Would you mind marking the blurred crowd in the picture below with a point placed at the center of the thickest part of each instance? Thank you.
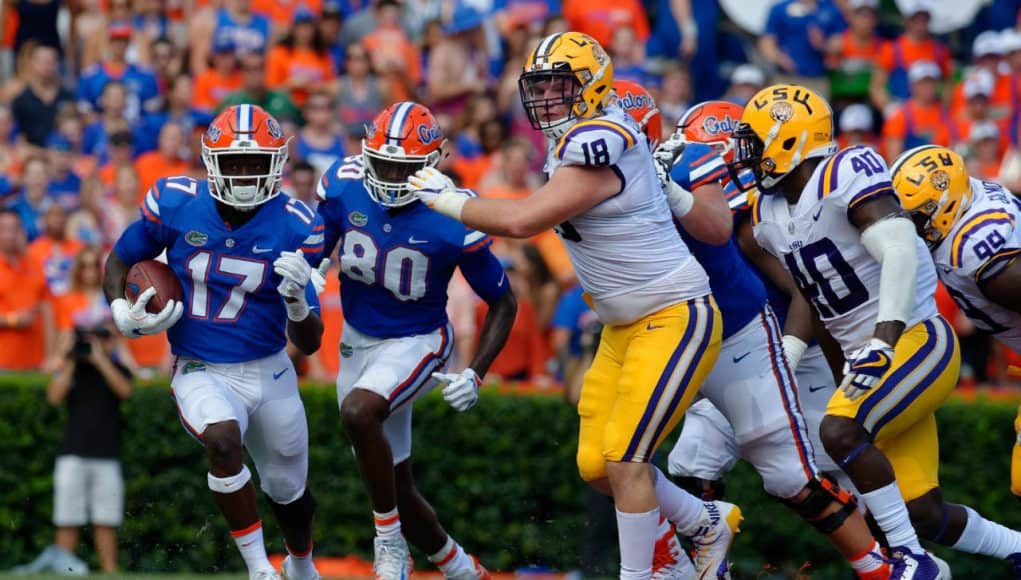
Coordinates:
(100, 98)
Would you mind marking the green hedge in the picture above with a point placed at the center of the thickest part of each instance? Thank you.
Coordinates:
(502, 477)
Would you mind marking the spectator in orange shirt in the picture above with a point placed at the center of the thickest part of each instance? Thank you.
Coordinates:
(857, 126)
(165, 161)
(53, 252)
(599, 18)
(526, 351)
(395, 58)
(121, 154)
(890, 81)
(987, 52)
(300, 63)
(216, 82)
(83, 306)
(511, 176)
(853, 53)
(23, 306)
(282, 14)
(977, 92)
(922, 119)
(984, 155)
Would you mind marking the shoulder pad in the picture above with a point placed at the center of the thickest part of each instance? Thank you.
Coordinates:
(595, 142)
(980, 242)
(852, 176)
(350, 168)
(167, 195)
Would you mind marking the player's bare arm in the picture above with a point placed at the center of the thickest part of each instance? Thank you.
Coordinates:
(495, 330)
(888, 232)
(115, 273)
(710, 219)
(1003, 288)
(306, 334)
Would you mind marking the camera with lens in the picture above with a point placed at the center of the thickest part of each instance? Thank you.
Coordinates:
(82, 347)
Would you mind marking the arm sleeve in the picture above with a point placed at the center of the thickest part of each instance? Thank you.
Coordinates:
(484, 274)
(894, 244)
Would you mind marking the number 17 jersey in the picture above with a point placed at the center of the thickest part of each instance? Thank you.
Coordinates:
(822, 249)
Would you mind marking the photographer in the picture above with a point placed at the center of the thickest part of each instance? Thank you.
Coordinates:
(92, 382)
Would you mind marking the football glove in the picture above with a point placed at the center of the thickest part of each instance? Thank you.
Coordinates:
(461, 390)
(437, 191)
(295, 272)
(679, 199)
(865, 367)
(319, 276)
(133, 321)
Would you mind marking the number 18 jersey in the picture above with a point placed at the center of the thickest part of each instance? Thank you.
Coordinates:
(822, 249)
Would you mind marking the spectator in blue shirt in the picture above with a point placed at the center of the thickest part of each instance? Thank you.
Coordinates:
(572, 321)
(143, 93)
(795, 40)
(65, 186)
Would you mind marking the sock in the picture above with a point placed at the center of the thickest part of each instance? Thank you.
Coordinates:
(677, 505)
(302, 562)
(637, 536)
(452, 558)
(887, 506)
(253, 550)
(868, 561)
(388, 524)
(982, 536)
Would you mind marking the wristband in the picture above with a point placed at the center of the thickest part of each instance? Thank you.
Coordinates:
(794, 348)
(450, 204)
(297, 310)
(681, 200)
(688, 28)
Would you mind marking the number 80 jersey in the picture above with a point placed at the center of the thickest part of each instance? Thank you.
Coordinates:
(822, 249)
(396, 264)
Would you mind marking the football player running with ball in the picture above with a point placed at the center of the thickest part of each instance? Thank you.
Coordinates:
(396, 261)
(239, 249)
(662, 328)
(972, 229)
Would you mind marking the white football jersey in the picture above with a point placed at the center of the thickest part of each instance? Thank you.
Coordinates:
(626, 251)
(822, 249)
(985, 240)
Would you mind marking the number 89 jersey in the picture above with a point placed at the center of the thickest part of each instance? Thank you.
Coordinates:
(822, 249)
(232, 310)
(983, 242)
(396, 264)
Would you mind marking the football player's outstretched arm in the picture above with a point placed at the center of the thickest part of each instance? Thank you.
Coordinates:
(1005, 287)
(495, 330)
(571, 190)
(710, 219)
(889, 236)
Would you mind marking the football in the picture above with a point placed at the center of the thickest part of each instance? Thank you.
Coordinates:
(152, 274)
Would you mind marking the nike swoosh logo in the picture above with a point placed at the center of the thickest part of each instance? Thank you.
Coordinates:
(817, 214)
(258, 250)
(738, 359)
(279, 374)
(653, 327)
(412, 240)
(814, 389)
(503, 276)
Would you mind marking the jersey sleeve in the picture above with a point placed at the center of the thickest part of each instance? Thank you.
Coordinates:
(698, 165)
(149, 236)
(852, 177)
(484, 273)
(594, 143)
(331, 203)
(985, 245)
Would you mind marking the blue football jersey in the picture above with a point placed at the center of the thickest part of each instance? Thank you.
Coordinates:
(232, 310)
(396, 263)
(739, 292)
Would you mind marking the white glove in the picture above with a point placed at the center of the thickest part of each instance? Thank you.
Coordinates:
(679, 199)
(865, 367)
(437, 191)
(133, 321)
(319, 276)
(296, 273)
(462, 390)
(794, 348)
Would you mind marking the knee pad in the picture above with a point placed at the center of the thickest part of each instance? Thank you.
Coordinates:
(591, 464)
(822, 491)
(282, 487)
(704, 489)
(231, 483)
(296, 514)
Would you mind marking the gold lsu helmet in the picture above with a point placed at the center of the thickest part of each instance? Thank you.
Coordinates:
(782, 126)
(568, 68)
(933, 186)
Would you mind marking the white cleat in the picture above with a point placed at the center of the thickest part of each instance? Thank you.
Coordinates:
(669, 562)
(267, 574)
(392, 560)
(289, 573)
(713, 540)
